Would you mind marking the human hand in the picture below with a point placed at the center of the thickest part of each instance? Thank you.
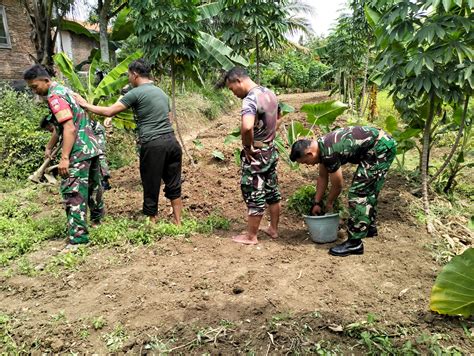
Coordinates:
(80, 100)
(249, 152)
(316, 210)
(108, 122)
(63, 167)
(329, 208)
(48, 153)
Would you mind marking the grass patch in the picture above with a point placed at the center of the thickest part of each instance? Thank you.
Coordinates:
(116, 231)
(115, 339)
(8, 346)
(20, 231)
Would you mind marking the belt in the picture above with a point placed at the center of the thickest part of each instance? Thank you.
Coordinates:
(261, 144)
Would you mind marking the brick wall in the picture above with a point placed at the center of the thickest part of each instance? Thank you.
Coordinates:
(81, 48)
(14, 60)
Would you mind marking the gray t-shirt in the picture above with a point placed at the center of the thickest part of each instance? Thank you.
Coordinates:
(151, 107)
(263, 104)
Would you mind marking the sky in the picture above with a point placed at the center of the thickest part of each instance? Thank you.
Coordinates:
(326, 13)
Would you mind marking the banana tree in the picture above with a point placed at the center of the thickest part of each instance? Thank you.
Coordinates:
(107, 91)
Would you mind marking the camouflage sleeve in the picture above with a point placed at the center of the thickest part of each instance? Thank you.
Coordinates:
(249, 105)
(332, 163)
(60, 108)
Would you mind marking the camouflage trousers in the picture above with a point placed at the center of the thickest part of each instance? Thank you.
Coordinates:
(366, 186)
(99, 132)
(259, 181)
(82, 189)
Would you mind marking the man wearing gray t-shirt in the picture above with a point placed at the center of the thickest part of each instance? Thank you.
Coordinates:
(160, 152)
(260, 117)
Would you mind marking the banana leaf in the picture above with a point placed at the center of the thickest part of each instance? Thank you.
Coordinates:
(207, 11)
(453, 291)
(66, 67)
(78, 29)
(220, 51)
(324, 113)
(92, 68)
(110, 80)
(123, 27)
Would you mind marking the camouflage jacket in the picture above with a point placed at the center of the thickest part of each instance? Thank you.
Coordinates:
(64, 107)
(346, 145)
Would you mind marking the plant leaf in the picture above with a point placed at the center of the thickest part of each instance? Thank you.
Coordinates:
(67, 69)
(324, 113)
(453, 291)
(218, 155)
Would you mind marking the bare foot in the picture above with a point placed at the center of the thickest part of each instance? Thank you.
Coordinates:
(270, 232)
(245, 239)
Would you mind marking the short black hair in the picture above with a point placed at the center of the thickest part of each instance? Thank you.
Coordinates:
(141, 67)
(47, 120)
(35, 72)
(231, 76)
(235, 73)
(298, 149)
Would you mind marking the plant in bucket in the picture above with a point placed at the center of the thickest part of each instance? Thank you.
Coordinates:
(322, 228)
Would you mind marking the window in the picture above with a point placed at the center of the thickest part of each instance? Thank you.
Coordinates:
(4, 37)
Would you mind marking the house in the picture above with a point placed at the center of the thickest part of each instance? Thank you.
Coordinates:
(16, 47)
(17, 50)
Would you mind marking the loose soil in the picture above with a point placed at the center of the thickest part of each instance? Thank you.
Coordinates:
(265, 295)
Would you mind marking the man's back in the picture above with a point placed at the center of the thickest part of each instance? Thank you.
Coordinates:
(262, 103)
(151, 107)
(346, 145)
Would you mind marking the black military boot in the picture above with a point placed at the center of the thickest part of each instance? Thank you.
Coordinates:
(349, 247)
(372, 231)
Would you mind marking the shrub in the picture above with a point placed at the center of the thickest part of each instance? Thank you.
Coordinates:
(301, 201)
(21, 141)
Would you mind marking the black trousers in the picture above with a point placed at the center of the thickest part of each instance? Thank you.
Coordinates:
(160, 159)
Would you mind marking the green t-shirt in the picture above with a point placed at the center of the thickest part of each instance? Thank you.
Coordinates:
(151, 107)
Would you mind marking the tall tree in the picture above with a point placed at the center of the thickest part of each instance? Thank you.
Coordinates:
(44, 15)
(426, 55)
(260, 24)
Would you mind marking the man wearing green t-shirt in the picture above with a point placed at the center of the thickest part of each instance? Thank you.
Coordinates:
(160, 152)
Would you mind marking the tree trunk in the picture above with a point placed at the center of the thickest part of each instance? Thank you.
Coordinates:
(364, 85)
(104, 8)
(257, 54)
(373, 103)
(425, 162)
(456, 142)
(173, 109)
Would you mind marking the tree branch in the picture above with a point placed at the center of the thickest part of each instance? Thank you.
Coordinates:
(456, 142)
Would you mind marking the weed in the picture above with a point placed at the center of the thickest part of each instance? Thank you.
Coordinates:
(7, 343)
(60, 317)
(119, 231)
(99, 322)
(115, 340)
(25, 267)
(66, 261)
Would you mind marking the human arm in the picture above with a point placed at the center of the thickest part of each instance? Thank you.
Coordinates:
(337, 182)
(246, 131)
(321, 186)
(279, 119)
(69, 137)
(51, 143)
(107, 111)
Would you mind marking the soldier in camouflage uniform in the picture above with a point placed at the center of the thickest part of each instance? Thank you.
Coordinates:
(374, 151)
(99, 132)
(79, 163)
(259, 157)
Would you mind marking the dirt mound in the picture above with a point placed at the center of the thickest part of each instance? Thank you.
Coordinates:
(208, 294)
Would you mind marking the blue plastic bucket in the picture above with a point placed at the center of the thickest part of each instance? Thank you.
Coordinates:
(322, 229)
